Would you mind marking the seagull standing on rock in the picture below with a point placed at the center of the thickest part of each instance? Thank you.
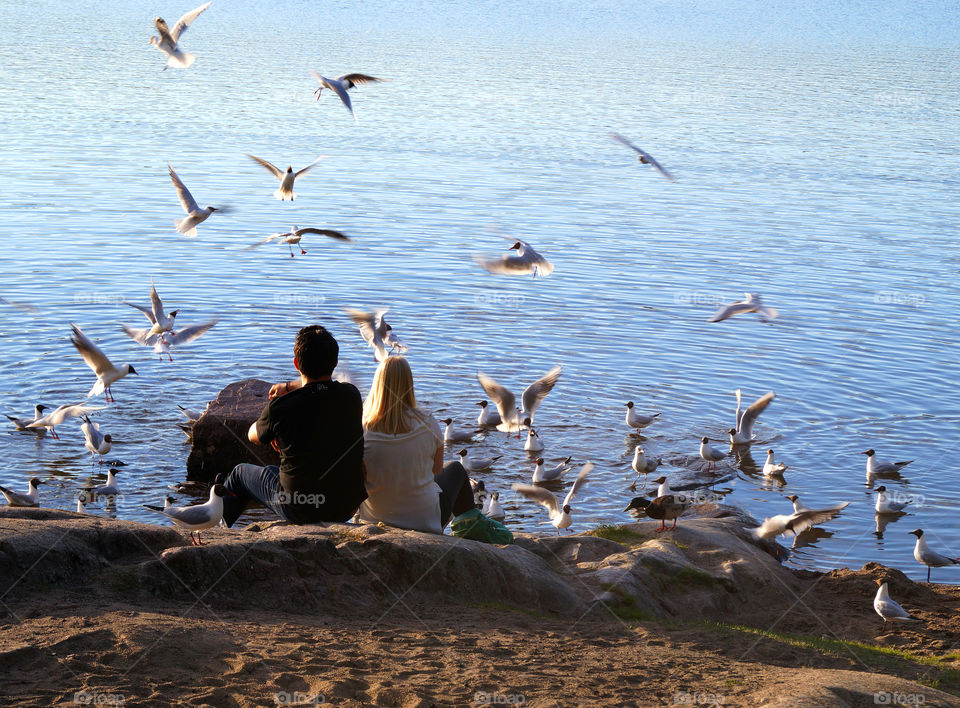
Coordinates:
(711, 454)
(642, 464)
(197, 517)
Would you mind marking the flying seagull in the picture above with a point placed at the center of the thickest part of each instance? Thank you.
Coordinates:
(195, 215)
(341, 85)
(526, 260)
(107, 373)
(294, 235)
(167, 41)
(750, 303)
(285, 190)
(513, 418)
(376, 332)
(643, 156)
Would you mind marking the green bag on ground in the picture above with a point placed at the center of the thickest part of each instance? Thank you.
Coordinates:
(474, 525)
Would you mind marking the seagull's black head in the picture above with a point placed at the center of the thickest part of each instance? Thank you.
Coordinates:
(917, 532)
(210, 208)
(527, 422)
(881, 488)
(174, 313)
(170, 499)
(35, 481)
(660, 480)
(107, 438)
(638, 503)
(769, 452)
(629, 404)
(793, 497)
(482, 404)
(539, 460)
(732, 431)
(132, 370)
(114, 471)
(447, 421)
(222, 491)
(514, 247)
(289, 169)
(868, 453)
(462, 453)
(566, 508)
(41, 407)
(706, 440)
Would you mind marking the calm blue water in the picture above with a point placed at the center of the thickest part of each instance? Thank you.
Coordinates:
(816, 165)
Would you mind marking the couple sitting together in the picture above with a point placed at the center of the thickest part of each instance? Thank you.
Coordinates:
(339, 455)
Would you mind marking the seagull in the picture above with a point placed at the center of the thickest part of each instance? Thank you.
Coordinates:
(163, 343)
(638, 420)
(167, 41)
(474, 465)
(488, 417)
(294, 235)
(885, 506)
(643, 156)
(195, 215)
(60, 414)
(526, 260)
(285, 191)
(493, 509)
(643, 465)
(795, 523)
(110, 489)
(107, 373)
(95, 441)
(341, 85)
(663, 508)
(875, 467)
(533, 442)
(197, 517)
(479, 491)
(193, 415)
(24, 423)
(81, 504)
(743, 433)
(664, 487)
(31, 498)
(770, 467)
(559, 515)
(929, 558)
(750, 303)
(160, 321)
(376, 332)
(506, 402)
(711, 454)
(799, 506)
(451, 436)
(541, 474)
(888, 609)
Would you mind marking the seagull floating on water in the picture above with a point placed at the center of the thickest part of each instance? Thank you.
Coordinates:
(197, 517)
(24, 423)
(750, 303)
(876, 468)
(454, 436)
(195, 215)
(168, 40)
(889, 610)
(533, 443)
(885, 505)
(542, 474)
(110, 489)
(493, 509)
(60, 414)
(96, 442)
(643, 156)
(294, 235)
(638, 420)
(376, 332)
(928, 557)
(341, 85)
(472, 464)
(770, 467)
(31, 498)
(489, 417)
(526, 260)
(559, 515)
(285, 190)
(506, 402)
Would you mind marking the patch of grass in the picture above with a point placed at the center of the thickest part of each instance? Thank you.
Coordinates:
(626, 609)
(619, 534)
(684, 579)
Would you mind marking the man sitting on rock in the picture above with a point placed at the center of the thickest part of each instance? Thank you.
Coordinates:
(315, 425)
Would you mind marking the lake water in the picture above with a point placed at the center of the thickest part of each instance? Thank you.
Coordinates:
(823, 175)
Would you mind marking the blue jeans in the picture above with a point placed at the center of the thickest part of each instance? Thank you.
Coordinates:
(252, 482)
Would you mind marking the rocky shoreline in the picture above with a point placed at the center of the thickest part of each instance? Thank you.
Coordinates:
(703, 585)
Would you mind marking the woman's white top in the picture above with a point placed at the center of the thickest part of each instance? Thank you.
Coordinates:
(400, 487)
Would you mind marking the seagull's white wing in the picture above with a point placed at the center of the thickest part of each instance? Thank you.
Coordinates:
(268, 166)
(268, 239)
(145, 310)
(155, 302)
(300, 173)
(507, 265)
(501, 396)
(538, 390)
(190, 515)
(539, 494)
(188, 334)
(366, 321)
(889, 609)
(184, 22)
(803, 520)
(91, 353)
(186, 199)
(578, 482)
(769, 312)
(140, 336)
(732, 309)
(750, 415)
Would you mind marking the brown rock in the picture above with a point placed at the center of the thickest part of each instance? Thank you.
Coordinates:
(220, 436)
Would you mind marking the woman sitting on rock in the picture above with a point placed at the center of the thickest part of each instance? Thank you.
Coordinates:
(408, 485)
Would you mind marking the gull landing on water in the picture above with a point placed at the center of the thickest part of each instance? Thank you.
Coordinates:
(293, 236)
(60, 414)
(376, 332)
(559, 515)
(506, 402)
(107, 373)
(743, 433)
(750, 303)
(285, 190)
(643, 156)
(160, 322)
(195, 215)
(162, 343)
(341, 85)
(525, 261)
(168, 39)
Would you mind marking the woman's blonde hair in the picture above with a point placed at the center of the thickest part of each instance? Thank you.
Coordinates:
(391, 401)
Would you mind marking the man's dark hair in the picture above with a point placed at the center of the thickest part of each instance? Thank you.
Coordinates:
(316, 351)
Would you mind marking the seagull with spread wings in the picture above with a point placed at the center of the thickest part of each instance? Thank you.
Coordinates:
(376, 332)
(107, 373)
(643, 156)
(559, 515)
(294, 235)
(160, 321)
(195, 215)
(526, 260)
(168, 39)
(341, 85)
(285, 190)
(514, 419)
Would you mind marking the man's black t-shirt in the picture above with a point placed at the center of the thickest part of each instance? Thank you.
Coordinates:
(319, 432)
